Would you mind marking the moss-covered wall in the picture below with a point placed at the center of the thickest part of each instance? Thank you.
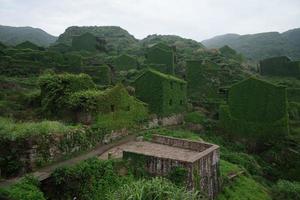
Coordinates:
(125, 62)
(293, 94)
(100, 74)
(57, 88)
(256, 110)
(110, 100)
(165, 94)
(161, 54)
(280, 66)
(204, 80)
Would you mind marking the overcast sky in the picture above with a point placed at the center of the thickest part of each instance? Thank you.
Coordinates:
(196, 19)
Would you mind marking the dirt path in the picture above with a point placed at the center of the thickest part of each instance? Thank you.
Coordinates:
(44, 173)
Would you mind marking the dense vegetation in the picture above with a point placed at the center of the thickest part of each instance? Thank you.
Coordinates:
(63, 100)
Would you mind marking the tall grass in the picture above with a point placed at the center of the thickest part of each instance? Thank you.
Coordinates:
(156, 188)
(12, 130)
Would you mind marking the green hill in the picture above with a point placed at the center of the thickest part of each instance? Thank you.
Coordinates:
(10, 35)
(262, 45)
(117, 39)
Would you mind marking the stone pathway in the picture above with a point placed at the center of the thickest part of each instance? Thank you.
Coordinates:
(45, 172)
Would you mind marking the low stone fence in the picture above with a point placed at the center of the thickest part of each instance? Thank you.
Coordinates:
(28, 154)
(181, 143)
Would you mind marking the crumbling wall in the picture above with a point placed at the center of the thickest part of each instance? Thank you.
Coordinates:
(207, 168)
(181, 143)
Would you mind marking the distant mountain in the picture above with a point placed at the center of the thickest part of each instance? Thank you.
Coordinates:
(117, 39)
(15, 35)
(262, 45)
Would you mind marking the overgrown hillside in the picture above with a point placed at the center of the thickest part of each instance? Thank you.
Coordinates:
(261, 45)
(117, 39)
(15, 35)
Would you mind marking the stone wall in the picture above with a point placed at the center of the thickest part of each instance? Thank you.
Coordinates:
(166, 121)
(182, 143)
(207, 167)
(34, 152)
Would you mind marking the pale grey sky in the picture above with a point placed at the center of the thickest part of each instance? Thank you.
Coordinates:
(196, 19)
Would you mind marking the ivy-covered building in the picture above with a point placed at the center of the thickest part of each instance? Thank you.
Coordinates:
(204, 80)
(280, 66)
(88, 42)
(125, 62)
(256, 110)
(161, 57)
(165, 94)
(100, 74)
(76, 97)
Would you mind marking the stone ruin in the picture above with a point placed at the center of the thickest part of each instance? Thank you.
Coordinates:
(162, 154)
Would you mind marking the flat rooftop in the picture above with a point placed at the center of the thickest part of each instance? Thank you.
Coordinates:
(155, 150)
(162, 151)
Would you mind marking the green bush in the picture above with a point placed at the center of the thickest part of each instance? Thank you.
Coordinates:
(26, 189)
(90, 179)
(56, 90)
(286, 190)
(195, 118)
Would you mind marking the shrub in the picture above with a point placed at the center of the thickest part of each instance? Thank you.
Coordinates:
(90, 179)
(286, 190)
(26, 189)
(56, 90)
(195, 118)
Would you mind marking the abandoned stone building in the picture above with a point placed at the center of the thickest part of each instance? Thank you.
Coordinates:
(204, 80)
(161, 57)
(280, 66)
(165, 94)
(101, 75)
(256, 110)
(125, 62)
(160, 156)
